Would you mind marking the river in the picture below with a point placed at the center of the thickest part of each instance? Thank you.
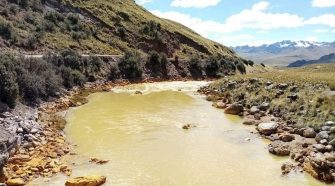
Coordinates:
(142, 136)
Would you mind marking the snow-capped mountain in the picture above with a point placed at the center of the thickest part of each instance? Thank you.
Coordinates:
(285, 52)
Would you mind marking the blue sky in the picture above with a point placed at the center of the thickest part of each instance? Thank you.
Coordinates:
(251, 22)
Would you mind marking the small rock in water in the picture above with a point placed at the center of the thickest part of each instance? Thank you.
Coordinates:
(286, 168)
(188, 126)
(138, 92)
(98, 161)
(234, 109)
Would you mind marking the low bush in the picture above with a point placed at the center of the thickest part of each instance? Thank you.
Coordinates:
(157, 63)
(195, 67)
(114, 72)
(130, 66)
(212, 67)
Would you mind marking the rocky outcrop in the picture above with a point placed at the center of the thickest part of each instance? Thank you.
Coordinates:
(86, 181)
(321, 166)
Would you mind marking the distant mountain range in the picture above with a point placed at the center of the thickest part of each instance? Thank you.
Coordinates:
(286, 52)
(324, 59)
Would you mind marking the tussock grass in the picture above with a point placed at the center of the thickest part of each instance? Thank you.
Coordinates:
(316, 101)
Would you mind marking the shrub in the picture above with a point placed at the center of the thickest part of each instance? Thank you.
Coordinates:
(240, 67)
(6, 30)
(72, 19)
(114, 72)
(263, 64)
(130, 66)
(32, 42)
(157, 64)
(251, 63)
(195, 66)
(212, 67)
(8, 86)
(124, 16)
(54, 17)
(78, 78)
(121, 32)
(227, 66)
(72, 59)
(49, 26)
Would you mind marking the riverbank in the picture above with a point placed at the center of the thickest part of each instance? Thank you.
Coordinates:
(40, 143)
(36, 138)
(297, 117)
(44, 145)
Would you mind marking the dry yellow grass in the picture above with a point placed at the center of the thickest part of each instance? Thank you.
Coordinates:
(314, 74)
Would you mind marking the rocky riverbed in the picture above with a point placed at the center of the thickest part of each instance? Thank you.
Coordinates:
(32, 140)
(259, 101)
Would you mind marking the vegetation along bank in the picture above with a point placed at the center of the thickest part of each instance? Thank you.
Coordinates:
(294, 109)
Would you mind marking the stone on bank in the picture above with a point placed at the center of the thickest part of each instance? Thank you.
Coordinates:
(93, 180)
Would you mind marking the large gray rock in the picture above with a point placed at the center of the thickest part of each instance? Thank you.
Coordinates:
(267, 128)
(254, 110)
(323, 135)
(330, 123)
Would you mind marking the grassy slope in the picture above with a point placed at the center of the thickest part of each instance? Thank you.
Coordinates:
(106, 17)
(315, 104)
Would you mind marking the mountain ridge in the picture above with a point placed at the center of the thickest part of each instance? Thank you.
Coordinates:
(285, 52)
(323, 60)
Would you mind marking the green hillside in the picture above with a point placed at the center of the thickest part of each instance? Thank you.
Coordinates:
(96, 26)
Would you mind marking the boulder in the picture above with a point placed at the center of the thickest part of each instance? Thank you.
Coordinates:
(286, 137)
(332, 130)
(293, 97)
(321, 136)
(234, 109)
(325, 128)
(283, 86)
(15, 182)
(220, 105)
(330, 123)
(264, 106)
(254, 110)
(279, 148)
(287, 168)
(86, 181)
(250, 121)
(267, 128)
(332, 142)
(309, 133)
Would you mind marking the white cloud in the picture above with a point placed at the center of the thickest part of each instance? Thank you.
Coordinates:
(255, 18)
(194, 3)
(142, 2)
(323, 3)
(321, 30)
(326, 19)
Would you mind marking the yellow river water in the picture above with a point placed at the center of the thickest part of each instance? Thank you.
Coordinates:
(142, 136)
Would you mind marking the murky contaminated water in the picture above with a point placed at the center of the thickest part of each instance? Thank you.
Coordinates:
(142, 136)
